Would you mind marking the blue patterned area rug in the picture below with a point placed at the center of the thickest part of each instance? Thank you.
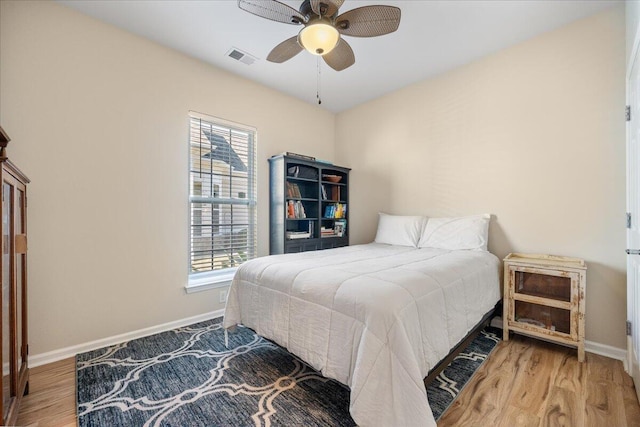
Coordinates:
(187, 377)
(444, 389)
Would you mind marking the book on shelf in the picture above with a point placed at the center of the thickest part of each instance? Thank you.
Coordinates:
(335, 193)
(295, 210)
(324, 192)
(293, 190)
(327, 232)
(335, 210)
(291, 235)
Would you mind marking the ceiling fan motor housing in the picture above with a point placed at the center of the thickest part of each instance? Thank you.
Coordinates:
(307, 10)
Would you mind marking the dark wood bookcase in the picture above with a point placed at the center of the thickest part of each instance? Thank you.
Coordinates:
(309, 205)
(13, 274)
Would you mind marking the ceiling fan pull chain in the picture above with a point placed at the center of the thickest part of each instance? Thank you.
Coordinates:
(318, 83)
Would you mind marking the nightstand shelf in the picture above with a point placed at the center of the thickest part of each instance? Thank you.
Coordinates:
(545, 298)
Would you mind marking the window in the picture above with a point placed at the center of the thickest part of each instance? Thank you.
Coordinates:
(222, 199)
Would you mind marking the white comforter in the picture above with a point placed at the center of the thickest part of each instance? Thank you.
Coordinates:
(374, 317)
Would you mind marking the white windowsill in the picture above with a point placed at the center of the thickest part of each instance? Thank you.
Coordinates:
(211, 280)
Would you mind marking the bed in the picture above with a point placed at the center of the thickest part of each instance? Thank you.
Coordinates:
(377, 317)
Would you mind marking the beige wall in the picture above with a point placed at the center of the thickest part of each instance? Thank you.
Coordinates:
(98, 121)
(533, 134)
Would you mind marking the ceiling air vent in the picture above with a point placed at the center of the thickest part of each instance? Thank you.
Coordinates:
(241, 56)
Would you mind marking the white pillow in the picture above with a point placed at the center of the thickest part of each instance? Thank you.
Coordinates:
(469, 232)
(399, 230)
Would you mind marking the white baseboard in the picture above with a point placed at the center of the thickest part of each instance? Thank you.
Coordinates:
(63, 353)
(607, 351)
(589, 346)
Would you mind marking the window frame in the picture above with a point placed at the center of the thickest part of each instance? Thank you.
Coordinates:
(201, 281)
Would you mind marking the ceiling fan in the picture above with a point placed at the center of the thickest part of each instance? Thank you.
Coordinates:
(323, 27)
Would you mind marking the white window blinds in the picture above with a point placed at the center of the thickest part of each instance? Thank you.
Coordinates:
(222, 195)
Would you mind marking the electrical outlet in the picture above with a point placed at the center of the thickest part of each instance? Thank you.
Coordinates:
(223, 296)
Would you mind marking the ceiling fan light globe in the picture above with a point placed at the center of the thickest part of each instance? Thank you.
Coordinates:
(319, 38)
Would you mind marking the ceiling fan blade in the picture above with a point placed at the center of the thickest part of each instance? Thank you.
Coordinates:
(326, 7)
(285, 50)
(272, 9)
(369, 21)
(340, 57)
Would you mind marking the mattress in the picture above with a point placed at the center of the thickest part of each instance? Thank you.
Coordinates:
(375, 317)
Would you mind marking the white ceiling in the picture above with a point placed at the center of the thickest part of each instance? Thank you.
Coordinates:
(433, 37)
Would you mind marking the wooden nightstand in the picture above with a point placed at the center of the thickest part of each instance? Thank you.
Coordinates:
(544, 296)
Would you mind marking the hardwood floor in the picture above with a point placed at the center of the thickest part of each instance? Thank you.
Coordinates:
(52, 396)
(525, 382)
(528, 382)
